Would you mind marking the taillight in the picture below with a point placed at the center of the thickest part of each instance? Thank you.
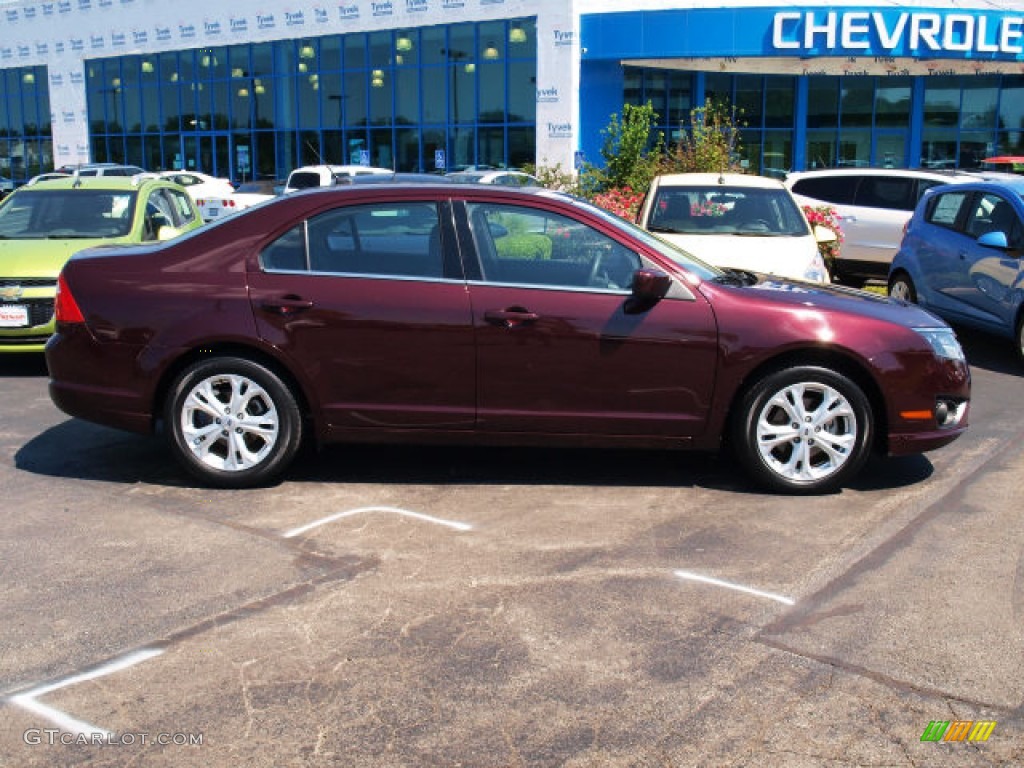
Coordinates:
(65, 308)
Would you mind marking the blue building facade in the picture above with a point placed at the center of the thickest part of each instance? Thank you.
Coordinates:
(819, 86)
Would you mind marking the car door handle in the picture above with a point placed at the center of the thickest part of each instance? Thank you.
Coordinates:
(963, 255)
(286, 305)
(510, 318)
(848, 218)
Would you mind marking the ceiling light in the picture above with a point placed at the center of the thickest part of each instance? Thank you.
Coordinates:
(491, 51)
(517, 34)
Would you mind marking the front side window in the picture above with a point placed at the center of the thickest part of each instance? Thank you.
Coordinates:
(527, 246)
(991, 213)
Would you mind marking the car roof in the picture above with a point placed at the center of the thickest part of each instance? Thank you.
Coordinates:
(717, 179)
(112, 183)
(1013, 183)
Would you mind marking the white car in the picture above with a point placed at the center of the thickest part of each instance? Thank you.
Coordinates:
(736, 221)
(200, 184)
(310, 176)
(248, 194)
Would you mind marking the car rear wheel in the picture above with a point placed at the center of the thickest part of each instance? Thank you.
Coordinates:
(902, 287)
(803, 430)
(1020, 338)
(232, 423)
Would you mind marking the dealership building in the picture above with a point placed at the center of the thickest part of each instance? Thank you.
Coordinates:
(250, 90)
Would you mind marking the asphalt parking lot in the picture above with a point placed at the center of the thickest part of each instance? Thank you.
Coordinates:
(429, 607)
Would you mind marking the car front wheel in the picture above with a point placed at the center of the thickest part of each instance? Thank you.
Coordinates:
(902, 287)
(232, 423)
(803, 430)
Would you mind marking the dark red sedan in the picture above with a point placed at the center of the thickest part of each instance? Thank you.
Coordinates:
(471, 314)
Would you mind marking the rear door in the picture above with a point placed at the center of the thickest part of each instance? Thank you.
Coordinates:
(557, 351)
(370, 303)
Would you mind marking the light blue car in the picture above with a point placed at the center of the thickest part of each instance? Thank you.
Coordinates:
(961, 257)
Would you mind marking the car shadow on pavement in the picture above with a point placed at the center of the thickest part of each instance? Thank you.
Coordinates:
(993, 353)
(23, 365)
(78, 449)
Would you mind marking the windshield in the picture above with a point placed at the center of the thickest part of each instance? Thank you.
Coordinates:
(668, 250)
(722, 210)
(38, 214)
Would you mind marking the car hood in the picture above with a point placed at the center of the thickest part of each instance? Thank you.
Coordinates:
(785, 256)
(838, 298)
(41, 258)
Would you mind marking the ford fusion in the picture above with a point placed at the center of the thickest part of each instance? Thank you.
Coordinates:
(477, 314)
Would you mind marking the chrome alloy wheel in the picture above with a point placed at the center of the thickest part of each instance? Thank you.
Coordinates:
(900, 290)
(229, 422)
(806, 432)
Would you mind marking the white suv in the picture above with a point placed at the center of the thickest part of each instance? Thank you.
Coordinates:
(873, 207)
(311, 176)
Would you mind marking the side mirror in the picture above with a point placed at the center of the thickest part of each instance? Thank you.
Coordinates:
(994, 240)
(823, 234)
(648, 288)
(167, 233)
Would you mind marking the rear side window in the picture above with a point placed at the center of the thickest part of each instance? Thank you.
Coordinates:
(830, 189)
(304, 180)
(386, 239)
(944, 210)
(889, 192)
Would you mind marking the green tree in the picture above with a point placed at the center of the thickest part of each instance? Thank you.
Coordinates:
(631, 156)
(711, 145)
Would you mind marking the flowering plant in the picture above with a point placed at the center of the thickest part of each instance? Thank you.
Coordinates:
(622, 201)
(827, 217)
(707, 208)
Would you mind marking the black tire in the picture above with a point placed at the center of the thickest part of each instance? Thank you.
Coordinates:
(249, 447)
(1020, 338)
(902, 287)
(824, 430)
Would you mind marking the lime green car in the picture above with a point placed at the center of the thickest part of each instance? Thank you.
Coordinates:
(42, 225)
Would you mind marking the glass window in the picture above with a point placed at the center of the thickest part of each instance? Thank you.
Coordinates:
(993, 214)
(287, 253)
(893, 102)
(857, 101)
(780, 106)
(833, 188)
(458, 88)
(822, 102)
(944, 210)
(526, 246)
(886, 192)
(395, 239)
(980, 100)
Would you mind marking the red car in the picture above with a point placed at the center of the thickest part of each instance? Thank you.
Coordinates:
(475, 314)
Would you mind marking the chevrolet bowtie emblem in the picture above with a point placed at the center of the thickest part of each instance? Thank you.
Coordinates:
(11, 292)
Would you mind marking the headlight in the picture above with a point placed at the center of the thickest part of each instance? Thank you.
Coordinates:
(943, 342)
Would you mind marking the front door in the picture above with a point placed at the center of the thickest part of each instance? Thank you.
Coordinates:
(557, 352)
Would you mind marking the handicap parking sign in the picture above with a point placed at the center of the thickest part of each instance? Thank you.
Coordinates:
(439, 159)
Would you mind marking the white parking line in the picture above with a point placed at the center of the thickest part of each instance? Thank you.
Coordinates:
(65, 722)
(688, 575)
(363, 510)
